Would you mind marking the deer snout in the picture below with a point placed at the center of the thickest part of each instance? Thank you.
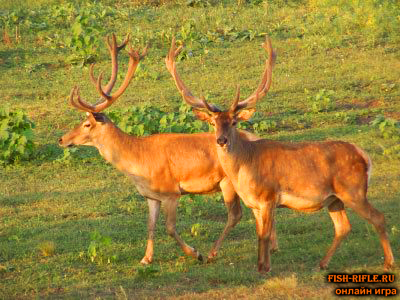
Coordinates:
(62, 143)
(222, 141)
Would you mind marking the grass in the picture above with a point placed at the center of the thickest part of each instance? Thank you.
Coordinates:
(50, 209)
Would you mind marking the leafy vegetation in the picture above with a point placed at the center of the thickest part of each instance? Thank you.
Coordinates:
(99, 249)
(389, 129)
(147, 120)
(322, 101)
(65, 214)
(16, 136)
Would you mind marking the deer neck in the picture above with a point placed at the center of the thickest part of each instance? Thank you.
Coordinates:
(116, 147)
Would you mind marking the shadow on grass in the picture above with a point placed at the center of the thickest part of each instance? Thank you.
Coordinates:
(34, 197)
(12, 58)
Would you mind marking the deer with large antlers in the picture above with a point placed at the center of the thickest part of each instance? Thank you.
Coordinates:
(302, 176)
(162, 166)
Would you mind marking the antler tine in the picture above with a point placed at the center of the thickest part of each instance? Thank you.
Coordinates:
(208, 106)
(236, 100)
(266, 79)
(79, 103)
(144, 52)
(124, 43)
(134, 59)
(184, 91)
(114, 49)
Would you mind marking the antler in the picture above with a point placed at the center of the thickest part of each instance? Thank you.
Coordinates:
(114, 49)
(134, 59)
(264, 85)
(186, 94)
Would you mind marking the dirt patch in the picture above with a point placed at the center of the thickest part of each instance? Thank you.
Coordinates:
(393, 115)
(359, 104)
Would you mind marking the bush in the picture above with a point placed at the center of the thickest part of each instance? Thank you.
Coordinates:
(324, 100)
(16, 136)
(388, 128)
(147, 120)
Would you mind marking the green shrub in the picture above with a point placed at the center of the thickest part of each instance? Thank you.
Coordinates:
(147, 120)
(388, 128)
(100, 249)
(258, 123)
(324, 100)
(86, 28)
(16, 136)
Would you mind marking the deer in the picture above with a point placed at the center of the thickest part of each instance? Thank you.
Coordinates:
(303, 176)
(163, 167)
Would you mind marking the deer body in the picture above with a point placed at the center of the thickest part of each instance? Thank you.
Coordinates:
(166, 156)
(302, 176)
(298, 174)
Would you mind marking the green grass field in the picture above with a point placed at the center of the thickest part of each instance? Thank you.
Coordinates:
(57, 206)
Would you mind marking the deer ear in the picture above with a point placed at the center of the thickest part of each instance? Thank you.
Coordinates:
(96, 117)
(244, 114)
(202, 115)
(99, 117)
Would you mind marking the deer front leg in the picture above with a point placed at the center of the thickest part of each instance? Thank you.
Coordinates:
(232, 203)
(154, 212)
(264, 225)
(273, 247)
(170, 206)
(342, 229)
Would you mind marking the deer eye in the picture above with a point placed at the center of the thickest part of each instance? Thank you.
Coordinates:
(87, 125)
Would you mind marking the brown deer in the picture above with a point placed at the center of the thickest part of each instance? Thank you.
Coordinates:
(162, 166)
(302, 176)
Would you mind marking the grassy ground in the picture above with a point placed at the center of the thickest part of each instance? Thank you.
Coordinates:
(52, 211)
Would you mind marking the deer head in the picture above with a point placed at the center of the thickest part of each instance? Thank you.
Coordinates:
(224, 122)
(96, 122)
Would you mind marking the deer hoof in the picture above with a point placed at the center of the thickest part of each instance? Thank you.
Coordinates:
(211, 256)
(146, 261)
(273, 250)
(388, 266)
(263, 269)
(323, 265)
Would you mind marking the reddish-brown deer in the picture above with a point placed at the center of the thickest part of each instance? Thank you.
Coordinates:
(162, 166)
(302, 176)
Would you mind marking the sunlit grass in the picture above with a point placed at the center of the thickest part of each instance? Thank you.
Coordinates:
(49, 209)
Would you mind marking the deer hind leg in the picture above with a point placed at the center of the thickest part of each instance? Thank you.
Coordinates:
(154, 212)
(232, 203)
(169, 207)
(357, 201)
(264, 225)
(376, 218)
(342, 229)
